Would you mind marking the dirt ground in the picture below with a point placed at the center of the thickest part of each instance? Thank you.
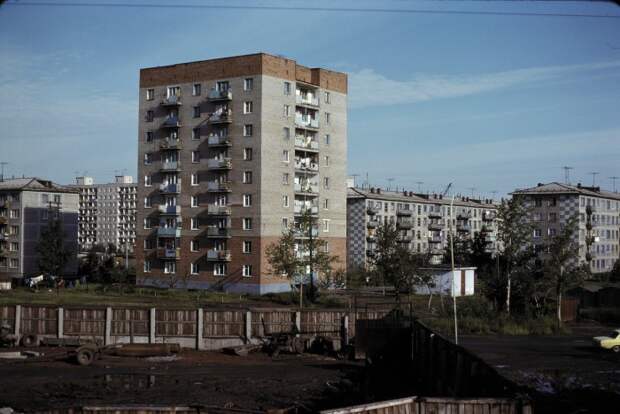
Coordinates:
(212, 379)
(567, 373)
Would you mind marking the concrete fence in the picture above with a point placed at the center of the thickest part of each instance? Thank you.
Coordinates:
(199, 328)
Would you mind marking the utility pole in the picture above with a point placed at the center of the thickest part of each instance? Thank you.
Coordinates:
(567, 169)
(450, 218)
(594, 174)
(613, 180)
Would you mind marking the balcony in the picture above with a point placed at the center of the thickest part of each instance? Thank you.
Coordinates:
(171, 122)
(372, 224)
(218, 255)
(371, 238)
(169, 254)
(404, 239)
(302, 209)
(306, 144)
(371, 211)
(170, 144)
(170, 166)
(218, 232)
(169, 232)
(219, 186)
(221, 117)
(435, 226)
(305, 121)
(218, 141)
(216, 210)
(463, 227)
(305, 234)
(435, 214)
(219, 164)
(488, 216)
(486, 229)
(404, 224)
(370, 253)
(309, 189)
(170, 188)
(434, 239)
(404, 212)
(307, 99)
(215, 95)
(170, 210)
(171, 101)
(463, 216)
(590, 209)
(434, 251)
(307, 166)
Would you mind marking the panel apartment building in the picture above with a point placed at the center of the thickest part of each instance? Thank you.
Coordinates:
(107, 212)
(423, 221)
(231, 152)
(25, 207)
(598, 211)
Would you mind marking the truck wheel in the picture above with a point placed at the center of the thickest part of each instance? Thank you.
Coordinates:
(85, 356)
(30, 341)
(616, 348)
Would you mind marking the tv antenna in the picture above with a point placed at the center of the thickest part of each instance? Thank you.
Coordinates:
(567, 174)
(613, 180)
(419, 183)
(390, 180)
(2, 164)
(594, 174)
(472, 189)
(355, 179)
(493, 193)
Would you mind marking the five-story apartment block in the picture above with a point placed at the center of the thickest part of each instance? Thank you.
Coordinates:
(232, 151)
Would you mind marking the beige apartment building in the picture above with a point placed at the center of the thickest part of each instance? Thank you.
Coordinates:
(231, 152)
(598, 213)
(423, 221)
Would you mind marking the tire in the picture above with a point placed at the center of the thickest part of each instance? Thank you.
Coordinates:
(616, 349)
(85, 356)
(30, 341)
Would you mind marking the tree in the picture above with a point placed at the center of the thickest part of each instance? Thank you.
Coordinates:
(462, 252)
(282, 256)
(562, 269)
(515, 245)
(53, 253)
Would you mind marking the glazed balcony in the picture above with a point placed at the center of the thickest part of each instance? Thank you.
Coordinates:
(305, 121)
(215, 232)
(306, 144)
(170, 210)
(171, 101)
(169, 254)
(172, 122)
(215, 95)
(218, 141)
(307, 100)
(219, 186)
(169, 232)
(216, 210)
(221, 117)
(170, 188)
(170, 166)
(218, 255)
(219, 164)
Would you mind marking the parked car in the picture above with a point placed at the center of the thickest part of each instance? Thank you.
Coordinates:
(609, 342)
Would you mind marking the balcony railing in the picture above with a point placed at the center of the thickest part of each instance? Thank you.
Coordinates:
(372, 210)
(170, 166)
(489, 215)
(372, 224)
(486, 229)
(307, 188)
(168, 232)
(435, 251)
(371, 239)
(370, 253)
(163, 253)
(307, 100)
(170, 188)
(306, 144)
(171, 101)
(218, 141)
(217, 95)
(435, 214)
(221, 117)
(404, 224)
(172, 210)
(219, 210)
(435, 226)
(172, 122)
(219, 164)
(404, 239)
(218, 232)
(307, 166)
(463, 227)
(306, 121)
(463, 216)
(219, 186)
(404, 212)
(305, 234)
(434, 239)
(170, 144)
(301, 209)
(218, 255)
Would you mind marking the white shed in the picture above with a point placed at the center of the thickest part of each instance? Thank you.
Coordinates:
(459, 283)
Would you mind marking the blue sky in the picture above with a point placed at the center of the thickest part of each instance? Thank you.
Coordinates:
(491, 102)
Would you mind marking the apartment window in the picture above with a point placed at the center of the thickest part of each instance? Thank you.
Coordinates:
(147, 181)
(147, 223)
(247, 270)
(326, 247)
(14, 214)
(147, 266)
(327, 160)
(552, 232)
(148, 136)
(285, 156)
(537, 233)
(196, 112)
(148, 244)
(247, 223)
(327, 139)
(247, 177)
(285, 201)
(247, 107)
(287, 88)
(222, 86)
(326, 182)
(247, 200)
(45, 198)
(14, 246)
(174, 91)
(195, 269)
(286, 111)
(247, 154)
(195, 156)
(326, 204)
(285, 222)
(553, 217)
(328, 97)
(325, 226)
(147, 202)
(150, 94)
(149, 116)
(197, 89)
(248, 84)
(194, 179)
(147, 158)
(194, 223)
(538, 202)
(14, 263)
(196, 133)
(247, 246)
(285, 178)
(194, 245)
(170, 267)
(327, 118)
(56, 198)
(219, 269)
(247, 130)
(194, 201)
(286, 133)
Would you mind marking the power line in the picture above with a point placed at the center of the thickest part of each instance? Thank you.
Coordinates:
(308, 9)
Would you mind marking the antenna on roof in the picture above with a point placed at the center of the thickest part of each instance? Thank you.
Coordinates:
(419, 183)
(493, 192)
(390, 180)
(2, 164)
(567, 174)
(355, 179)
(613, 180)
(594, 174)
(472, 191)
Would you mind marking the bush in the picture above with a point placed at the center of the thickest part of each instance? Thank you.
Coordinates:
(605, 315)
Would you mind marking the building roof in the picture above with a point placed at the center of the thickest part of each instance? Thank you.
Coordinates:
(559, 188)
(410, 197)
(33, 184)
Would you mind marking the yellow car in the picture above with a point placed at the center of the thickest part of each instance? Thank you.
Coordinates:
(609, 342)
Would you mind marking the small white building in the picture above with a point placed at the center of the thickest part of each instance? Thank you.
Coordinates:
(459, 283)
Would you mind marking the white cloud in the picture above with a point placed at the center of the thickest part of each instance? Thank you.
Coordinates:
(368, 88)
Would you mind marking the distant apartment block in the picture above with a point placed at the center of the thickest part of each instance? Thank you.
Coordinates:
(107, 212)
(598, 212)
(231, 152)
(26, 205)
(423, 221)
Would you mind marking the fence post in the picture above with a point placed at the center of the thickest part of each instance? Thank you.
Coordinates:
(107, 339)
(248, 326)
(200, 329)
(298, 322)
(152, 325)
(18, 321)
(61, 322)
(345, 330)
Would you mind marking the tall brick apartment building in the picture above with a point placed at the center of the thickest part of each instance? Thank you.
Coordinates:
(231, 152)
